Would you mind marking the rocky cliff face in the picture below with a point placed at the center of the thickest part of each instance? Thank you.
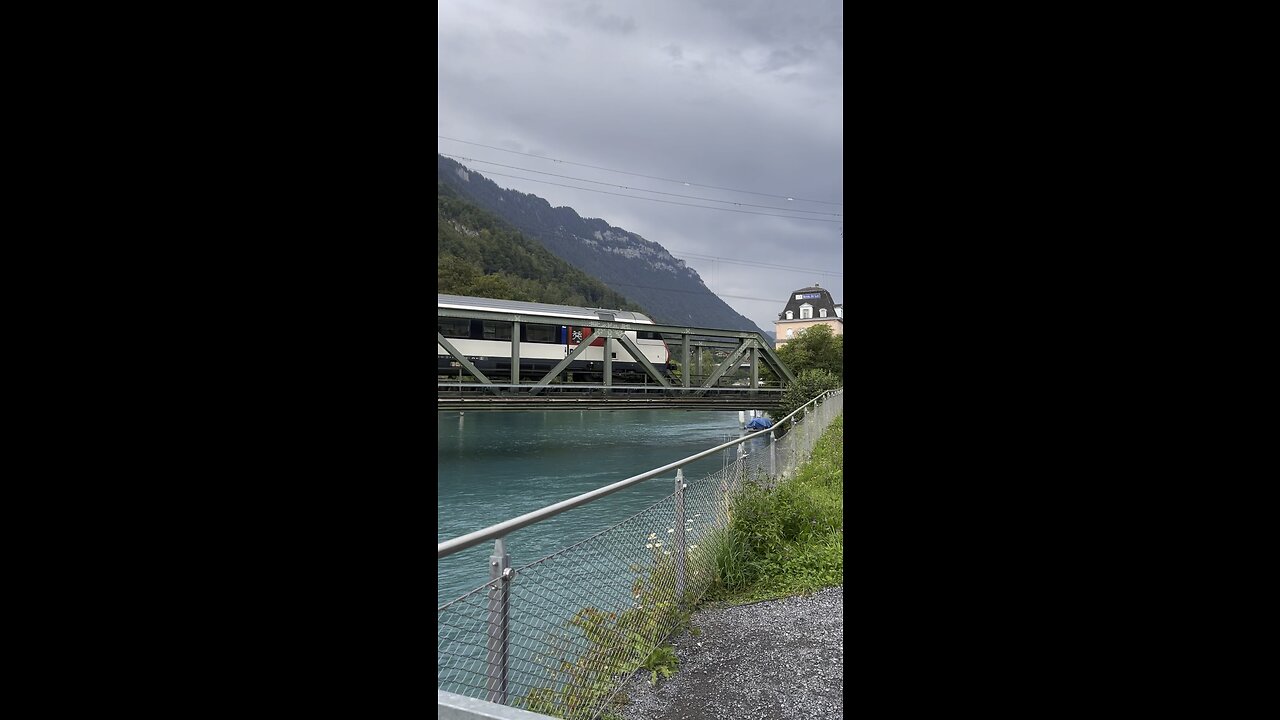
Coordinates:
(640, 269)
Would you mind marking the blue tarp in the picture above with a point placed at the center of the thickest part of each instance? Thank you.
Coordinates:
(760, 423)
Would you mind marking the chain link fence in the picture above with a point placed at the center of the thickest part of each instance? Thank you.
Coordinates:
(559, 635)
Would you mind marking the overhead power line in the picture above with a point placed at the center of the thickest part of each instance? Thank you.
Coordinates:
(668, 202)
(696, 292)
(624, 172)
(702, 256)
(626, 187)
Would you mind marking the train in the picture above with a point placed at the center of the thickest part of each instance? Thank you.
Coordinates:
(487, 343)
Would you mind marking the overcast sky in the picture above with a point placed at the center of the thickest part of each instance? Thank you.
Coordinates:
(738, 94)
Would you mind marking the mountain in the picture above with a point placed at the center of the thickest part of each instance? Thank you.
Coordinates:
(640, 269)
(481, 255)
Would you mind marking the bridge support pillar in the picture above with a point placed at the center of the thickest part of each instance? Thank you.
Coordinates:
(608, 363)
(515, 352)
(685, 369)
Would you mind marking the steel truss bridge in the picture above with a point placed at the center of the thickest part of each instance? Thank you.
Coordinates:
(473, 390)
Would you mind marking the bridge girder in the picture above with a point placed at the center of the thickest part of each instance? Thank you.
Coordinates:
(738, 341)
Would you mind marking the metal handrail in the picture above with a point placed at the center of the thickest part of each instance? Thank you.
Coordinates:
(584, 386)
(493, 532)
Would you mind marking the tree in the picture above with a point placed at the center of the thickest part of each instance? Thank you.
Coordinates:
(454, 275)
(814, 348)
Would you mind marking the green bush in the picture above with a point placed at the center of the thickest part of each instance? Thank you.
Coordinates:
(787, 539)
(807, 386)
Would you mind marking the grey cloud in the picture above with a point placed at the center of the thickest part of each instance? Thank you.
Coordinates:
(569, 81)
(592, 15)
(769, 21)
(779, 59)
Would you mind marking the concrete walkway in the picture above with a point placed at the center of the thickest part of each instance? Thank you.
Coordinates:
(772, 660)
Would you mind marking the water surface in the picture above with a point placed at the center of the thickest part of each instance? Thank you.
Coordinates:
(494, 466)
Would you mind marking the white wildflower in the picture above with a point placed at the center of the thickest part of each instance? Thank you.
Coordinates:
(671, 530)
(648, 546)
(666, 552)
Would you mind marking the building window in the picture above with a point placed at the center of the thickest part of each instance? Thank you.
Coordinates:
(822, 312)
(791, 332)
(806, 312)
(788, 314)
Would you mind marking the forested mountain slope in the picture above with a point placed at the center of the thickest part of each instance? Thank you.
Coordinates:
(482, 256)
(639, 269)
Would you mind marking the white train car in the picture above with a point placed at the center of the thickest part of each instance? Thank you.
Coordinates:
(487, 343)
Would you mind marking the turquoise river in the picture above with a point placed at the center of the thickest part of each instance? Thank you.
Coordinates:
(494, 466)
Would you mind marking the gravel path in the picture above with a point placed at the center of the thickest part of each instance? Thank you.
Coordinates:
(773, 660)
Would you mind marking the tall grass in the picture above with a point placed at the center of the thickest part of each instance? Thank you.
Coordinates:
(788, 539)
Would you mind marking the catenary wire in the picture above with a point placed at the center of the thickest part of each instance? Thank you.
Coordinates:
(702, 256)
(695, 292)
(668, 202)
(624, 172)
(636, 189)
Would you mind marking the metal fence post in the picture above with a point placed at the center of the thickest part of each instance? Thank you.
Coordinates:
(773, 454)
(680, 544)
(796, 447)
(499, 622)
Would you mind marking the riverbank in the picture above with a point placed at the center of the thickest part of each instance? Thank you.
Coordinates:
(787, 539)
(772, 658)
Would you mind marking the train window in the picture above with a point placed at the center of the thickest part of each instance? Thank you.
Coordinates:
(646, 335)
(497, 330)
(539, 333)
(455, 327)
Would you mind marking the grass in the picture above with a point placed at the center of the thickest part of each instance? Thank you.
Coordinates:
(789, 539)
(662, 660)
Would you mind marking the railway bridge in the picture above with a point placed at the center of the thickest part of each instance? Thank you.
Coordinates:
(734, 383)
